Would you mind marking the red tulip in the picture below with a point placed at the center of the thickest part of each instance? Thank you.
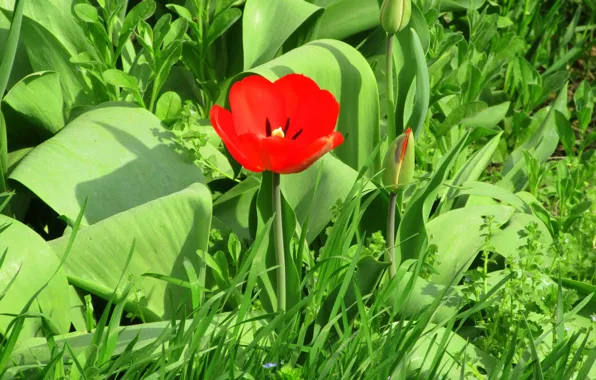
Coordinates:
(282, 126)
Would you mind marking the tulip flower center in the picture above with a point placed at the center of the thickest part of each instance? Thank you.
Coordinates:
(280, 132)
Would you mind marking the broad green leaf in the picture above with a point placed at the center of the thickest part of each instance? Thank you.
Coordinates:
(513, 237)
(340, 69)
(232, 210)
(411, 233)
(423, 294)
(460, 5)
(222, 23)
(32, 261)
(420, 105)
(335, 183)
(106, 154)
(15, 157)
(459, 236)
(366, 277)
(419, 24)
(36, 350)
(266, 25)
(38, 99)
(344, 18)
(411, 72)
(426, 349)
(541, 144)
(476, 189)
(471, 170)
(77, 310)
(166, 231)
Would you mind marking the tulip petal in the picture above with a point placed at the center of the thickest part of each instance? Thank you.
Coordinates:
(253, 101)
(310, 109)
(293, 88)
(316, 116)
(222, 122)
(287, 156)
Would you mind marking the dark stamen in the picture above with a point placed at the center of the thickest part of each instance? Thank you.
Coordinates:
(267, 128)
(287, 126)
(297, 134)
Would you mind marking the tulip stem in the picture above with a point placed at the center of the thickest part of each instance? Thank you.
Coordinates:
(391, 234)
(279, 244)
(391, 132)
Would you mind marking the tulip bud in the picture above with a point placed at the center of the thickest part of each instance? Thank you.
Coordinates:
(395, 15)
(399, 161)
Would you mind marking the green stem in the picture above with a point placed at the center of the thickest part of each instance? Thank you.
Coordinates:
(391, 132)
(391, 234)
(279, 244)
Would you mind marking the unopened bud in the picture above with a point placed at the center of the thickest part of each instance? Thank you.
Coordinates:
(399, 163)
(395, 15)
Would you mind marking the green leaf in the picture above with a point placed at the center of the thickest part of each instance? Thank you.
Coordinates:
(411, 233)
(406, 48)
(422, 296)
(420, 107)
(477, 190)
(427, 349)
(541, 144)
(340, 69)
(575, 213)
(36, 350)
(86, 13)
(552, 83)
(458, 235)
(266, 25)
(584, 104)
(513, 237)
(471, 170)
(183, 12)
(366, 277)
(223, 22)
(51, 36)
(232, 210)
(105, 154)
(565, 132)
(460, 5)
(489, 117)
(178, 224)
(344, 18)
(168, 106)
(32, 261)
(38, 99)
(460, 115)
(139, 12)
(119, 78)
(21, 66)
(336, 181)
(10, 46)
